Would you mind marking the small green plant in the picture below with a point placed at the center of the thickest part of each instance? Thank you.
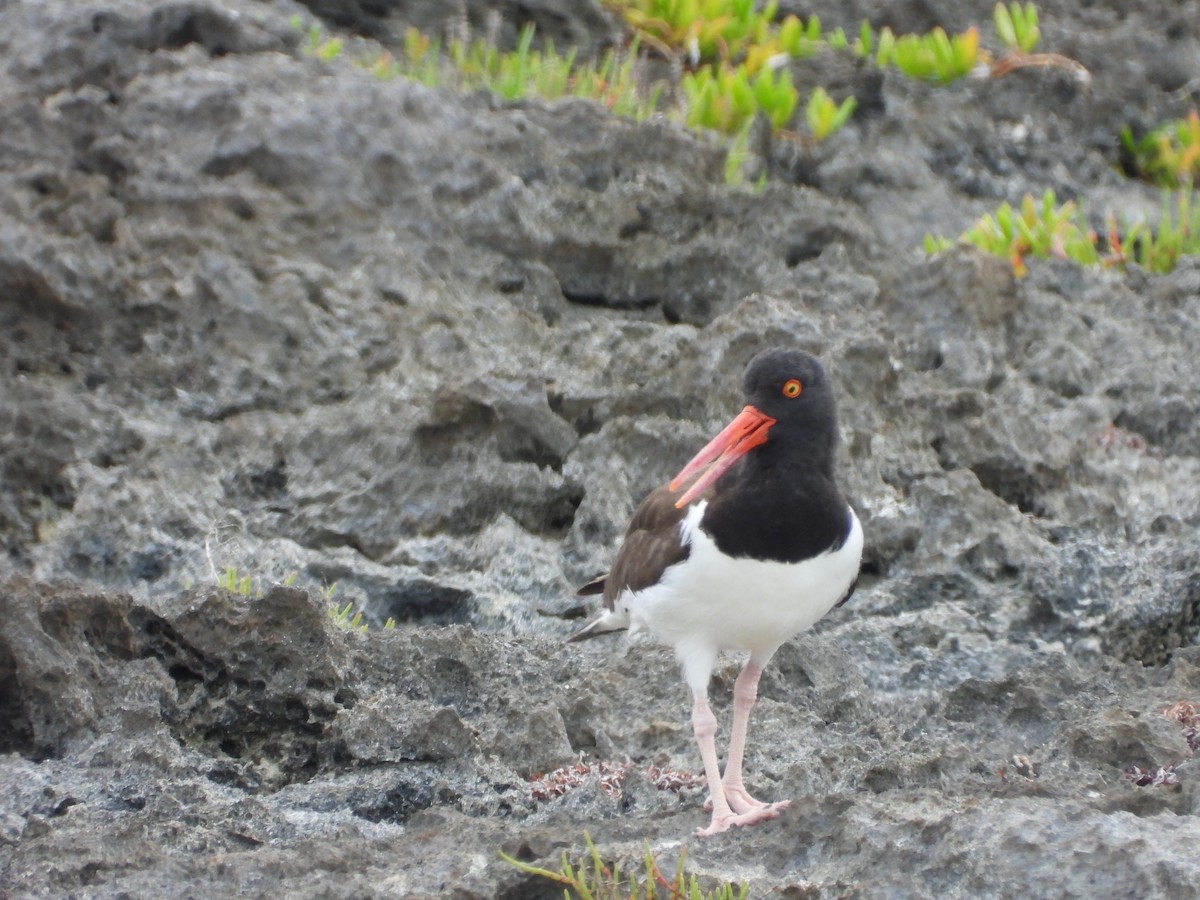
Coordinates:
(613, 83)
(1017, 26)
(726, 98)
(523, 72)
(347, 617)
(705, 30)
(792, 40)
(1168, 155)
(237, 583)
(594, 880)
(517, 74)
(936, 56)
(420, 60)
(799, 39)
(1050, 229)
(825, 116)
(863, 46)
(344, 617)
(1035, 229)
(737, 159)
(1158, 250)
(316, 44)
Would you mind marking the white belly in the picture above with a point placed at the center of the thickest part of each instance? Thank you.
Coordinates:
(711, 602)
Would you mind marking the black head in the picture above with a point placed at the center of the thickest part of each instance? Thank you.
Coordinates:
(789, 421)
(791, 387)
(788, 384)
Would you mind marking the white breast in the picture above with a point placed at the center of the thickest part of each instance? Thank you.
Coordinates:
(711, 602)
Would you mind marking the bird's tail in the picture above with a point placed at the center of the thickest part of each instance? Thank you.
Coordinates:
(610, 621)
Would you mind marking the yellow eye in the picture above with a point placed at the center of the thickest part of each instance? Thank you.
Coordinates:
(792, 388)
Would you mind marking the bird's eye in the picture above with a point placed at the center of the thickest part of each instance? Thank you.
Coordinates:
(792, 388)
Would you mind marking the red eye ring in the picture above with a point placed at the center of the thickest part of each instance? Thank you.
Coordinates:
(792, 388)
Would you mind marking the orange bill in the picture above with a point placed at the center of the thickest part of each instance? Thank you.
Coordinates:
(740, 436)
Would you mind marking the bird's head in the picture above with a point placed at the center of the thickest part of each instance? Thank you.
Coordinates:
(789, 412)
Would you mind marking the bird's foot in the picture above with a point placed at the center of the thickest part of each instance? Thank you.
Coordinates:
(740, 801)
(722, 821)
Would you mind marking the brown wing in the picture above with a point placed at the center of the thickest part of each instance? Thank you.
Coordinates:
(652, 543)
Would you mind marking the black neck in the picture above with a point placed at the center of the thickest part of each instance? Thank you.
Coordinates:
(777, 513)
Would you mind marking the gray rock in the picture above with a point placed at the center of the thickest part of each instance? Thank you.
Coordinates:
(420, 354)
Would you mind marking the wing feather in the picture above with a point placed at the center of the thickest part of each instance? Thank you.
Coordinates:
(652, 543)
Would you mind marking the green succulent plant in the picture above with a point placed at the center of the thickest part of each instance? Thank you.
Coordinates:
(703, 30)
(1050, 229)
(1158, 250)
(1168, 155)
(1045, 228)
(316, 43)
(238, 583)
(245, 585)
(937, 56)
(524, 71)
(593, 879)
(799, 39)
(863, 46)
(1017, 26)
(726, 98)
(824, 115)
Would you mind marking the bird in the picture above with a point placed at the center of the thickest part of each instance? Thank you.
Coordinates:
(747, 547)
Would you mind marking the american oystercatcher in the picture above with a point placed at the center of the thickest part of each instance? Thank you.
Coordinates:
(758, 547)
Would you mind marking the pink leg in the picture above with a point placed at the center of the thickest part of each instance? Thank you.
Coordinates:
(745, 693)
(705, 725)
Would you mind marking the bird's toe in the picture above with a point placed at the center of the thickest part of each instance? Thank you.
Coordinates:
(740, 801)
(723, 822)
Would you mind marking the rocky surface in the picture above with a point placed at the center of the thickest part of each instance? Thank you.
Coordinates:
(266, 312)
